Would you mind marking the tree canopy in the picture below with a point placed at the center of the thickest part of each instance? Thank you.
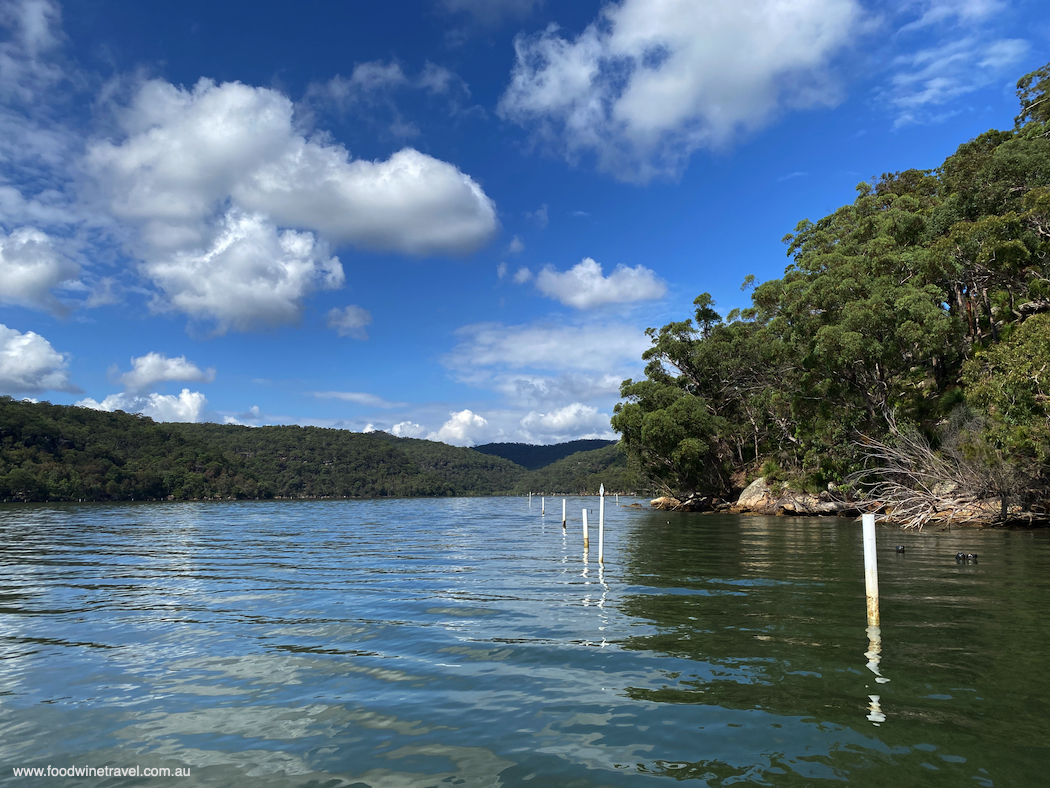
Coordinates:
(924, 294)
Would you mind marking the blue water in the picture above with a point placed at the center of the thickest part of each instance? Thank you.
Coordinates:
(472, 642)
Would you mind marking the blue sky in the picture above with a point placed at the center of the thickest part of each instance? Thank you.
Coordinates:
(450, 219)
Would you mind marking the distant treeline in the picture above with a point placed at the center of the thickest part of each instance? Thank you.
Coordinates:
(66, 453)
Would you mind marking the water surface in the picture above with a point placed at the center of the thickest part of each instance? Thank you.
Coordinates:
(471, 642)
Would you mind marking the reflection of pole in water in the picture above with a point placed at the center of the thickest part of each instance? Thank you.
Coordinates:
(874, 655)
(875, 715)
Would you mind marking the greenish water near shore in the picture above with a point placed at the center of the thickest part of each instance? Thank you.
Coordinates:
(469, 642)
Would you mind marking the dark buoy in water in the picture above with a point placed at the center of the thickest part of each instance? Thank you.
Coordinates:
(900, 548)
(966, 558)
(960, 557)
(971, 558)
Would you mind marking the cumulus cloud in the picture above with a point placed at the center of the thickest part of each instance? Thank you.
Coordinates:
(464, 428)
(29, 364)
(188, 406)
(30, 268)
(651, 81)
(358, 397)
(571, 422)
(251, 276)
(408, 429)
(350, 321)
(517, 246)
(522, 275)
(584, 287)
(153, 368)
(188, 151)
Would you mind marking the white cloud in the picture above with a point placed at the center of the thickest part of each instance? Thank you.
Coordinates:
(935, 12)
(464, 428)
(217, 187)
(571, 422)
(517, 246)
(651, 81)
(252, 276)
(408, 429)
(188, 406)
(541, 216)
(30, 268)
(357, 397)
(929, 84)
(584, 287)
(24, 72)
(154, 368)
(252, 417)
(501, 270)
(350, 321)
(589, 348)
(188, 152)
(522, 275)
(29, 364)
(539, 390)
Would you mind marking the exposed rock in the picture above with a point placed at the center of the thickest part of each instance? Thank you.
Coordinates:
(760, 498)
(757, 496)
(665, 503)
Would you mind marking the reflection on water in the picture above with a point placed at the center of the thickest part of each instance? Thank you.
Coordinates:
(468, 642)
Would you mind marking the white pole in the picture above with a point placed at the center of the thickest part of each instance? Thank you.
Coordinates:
(871, 570)
(585, 540)
(601, 524)
(563, 520)
(543, 505)
(530, 500)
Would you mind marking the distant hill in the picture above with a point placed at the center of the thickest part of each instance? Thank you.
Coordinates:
(65, 453)
(535, 457)
(583, 472)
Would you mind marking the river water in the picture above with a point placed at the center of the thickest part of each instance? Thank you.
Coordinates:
(471, 642)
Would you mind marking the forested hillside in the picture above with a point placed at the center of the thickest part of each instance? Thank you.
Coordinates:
(904, 354)
(63, 453)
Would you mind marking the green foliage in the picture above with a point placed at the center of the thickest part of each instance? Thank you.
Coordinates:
(62, 453)
(926, 291)
(52, 452)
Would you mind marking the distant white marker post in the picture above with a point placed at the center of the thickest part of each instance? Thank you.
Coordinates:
(601, 524)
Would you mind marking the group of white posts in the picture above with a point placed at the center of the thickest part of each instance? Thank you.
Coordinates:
(601, 520)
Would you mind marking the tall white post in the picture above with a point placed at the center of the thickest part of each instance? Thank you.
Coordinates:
(530, 500)
(871, 569)
(601, 524)
(543, 505)
(563, 520)
(585, 540)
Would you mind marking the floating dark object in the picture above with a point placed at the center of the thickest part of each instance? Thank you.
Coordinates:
(971, 558)
(966, 558)
(960, 557)
(900, 548)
